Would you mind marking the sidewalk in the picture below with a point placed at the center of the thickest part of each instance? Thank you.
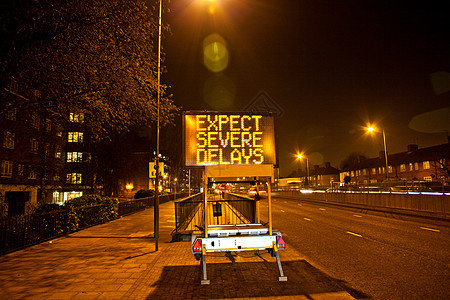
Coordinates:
(116, 260)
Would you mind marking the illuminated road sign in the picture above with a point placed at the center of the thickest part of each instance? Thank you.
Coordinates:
(214, 138)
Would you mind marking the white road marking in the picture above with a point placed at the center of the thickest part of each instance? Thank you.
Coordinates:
(299, 205)
(358, 216)
(355, 234)
(430, 229)
(307, 219)
(282, 211)
(173, 221)
(322, 209)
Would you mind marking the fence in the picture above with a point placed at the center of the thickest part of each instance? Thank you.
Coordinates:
(23, 231)
(234, 209)
(437, 204)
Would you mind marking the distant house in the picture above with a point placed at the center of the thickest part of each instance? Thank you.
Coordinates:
(318, 177)
(426, 164)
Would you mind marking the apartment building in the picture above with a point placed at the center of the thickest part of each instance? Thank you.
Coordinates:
(43, 156)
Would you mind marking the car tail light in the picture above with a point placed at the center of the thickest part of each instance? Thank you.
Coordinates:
(280, 243)
(197, 246)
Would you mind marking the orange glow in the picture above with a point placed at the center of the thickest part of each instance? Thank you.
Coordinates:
(229, 139)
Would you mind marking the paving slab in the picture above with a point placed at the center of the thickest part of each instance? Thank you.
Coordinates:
(117, 260)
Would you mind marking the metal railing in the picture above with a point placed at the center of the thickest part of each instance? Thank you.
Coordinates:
(436, 204)
(235, 209)
(19, 232)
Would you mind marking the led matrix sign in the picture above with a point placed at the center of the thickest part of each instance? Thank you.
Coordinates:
(235, 139)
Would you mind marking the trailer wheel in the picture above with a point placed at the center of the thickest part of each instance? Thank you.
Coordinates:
(272, 253)
(198, 256)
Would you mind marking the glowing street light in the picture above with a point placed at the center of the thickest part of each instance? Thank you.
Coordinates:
(300, 156)
(372, 129)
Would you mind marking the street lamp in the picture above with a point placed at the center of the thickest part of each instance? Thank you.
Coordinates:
(300, 156)
(372, 129)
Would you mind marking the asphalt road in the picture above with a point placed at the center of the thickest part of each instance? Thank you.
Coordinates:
(380, 257)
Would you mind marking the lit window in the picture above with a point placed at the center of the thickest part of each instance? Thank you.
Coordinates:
(6, 168)
(411, 167)
(34, 145)
(426, 165)
(73, 178)
(75, 137)
(390, 169)
(379, 170)
(416, 166)
(352, 174)
(402, 168)
(8, 139)
(56, 197)
(374, 171)
(76, 117)
(74, 156)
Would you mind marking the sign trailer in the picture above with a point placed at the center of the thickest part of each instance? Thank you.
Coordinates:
(232, 145)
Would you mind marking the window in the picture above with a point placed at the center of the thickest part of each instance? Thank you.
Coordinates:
(59, 130)
(34, 146)
(374, 171)
(47, 149)
(75, 137)
(20, 169)
(48, 125)
(58, 152)
(37, 94)
(32, 174)
(35, 121)
(426, 165)
(390, 169)
(402, 168)
(13, 86)
(379, 170)
(352, 174)
(74, 156)
(73, 178)
(76, 117)
(416, 166)
(411, 167)
(8, 139)
(364, 171)
(56, 197)
(6, 168)
(11, 114)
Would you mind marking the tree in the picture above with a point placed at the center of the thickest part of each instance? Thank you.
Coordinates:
(96, 57)
(351, 161)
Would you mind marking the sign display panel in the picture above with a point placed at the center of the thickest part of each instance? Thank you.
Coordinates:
(215, 138)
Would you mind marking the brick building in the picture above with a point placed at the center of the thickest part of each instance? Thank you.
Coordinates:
(44, 157)
(425, 164)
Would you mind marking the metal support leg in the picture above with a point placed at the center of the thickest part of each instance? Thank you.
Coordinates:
(205, 275)
(280, 268)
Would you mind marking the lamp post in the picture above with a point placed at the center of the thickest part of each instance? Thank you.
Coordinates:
(156, 204)
(371, 129)
(300, 156)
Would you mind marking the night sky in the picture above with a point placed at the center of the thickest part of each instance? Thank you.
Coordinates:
(330, 67)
